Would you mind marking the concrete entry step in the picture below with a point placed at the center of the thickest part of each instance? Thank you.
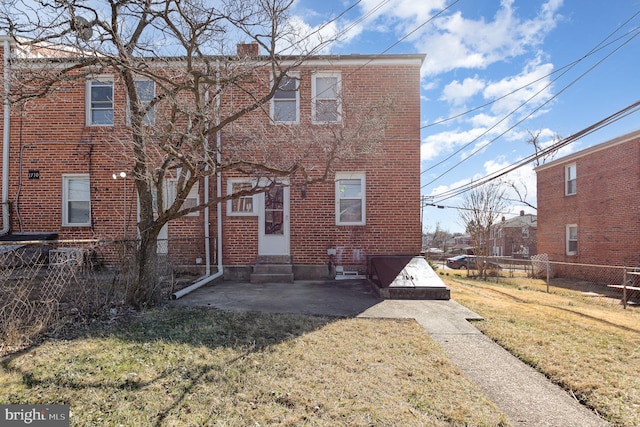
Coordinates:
(272, 269)
(274, 259)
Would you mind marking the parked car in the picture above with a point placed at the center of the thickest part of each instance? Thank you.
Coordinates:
(465, 262)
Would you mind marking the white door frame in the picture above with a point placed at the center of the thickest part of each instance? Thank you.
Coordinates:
(274, 243)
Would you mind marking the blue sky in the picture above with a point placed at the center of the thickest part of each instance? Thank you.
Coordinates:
(478, 51)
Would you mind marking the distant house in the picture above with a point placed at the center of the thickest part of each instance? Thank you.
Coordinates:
(60, 174)
(589, 204)
(515, 237)
(460, 245)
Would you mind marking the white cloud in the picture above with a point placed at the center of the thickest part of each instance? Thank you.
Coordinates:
(532, 85)
(457, 93)
(453, 41)
(446, 142)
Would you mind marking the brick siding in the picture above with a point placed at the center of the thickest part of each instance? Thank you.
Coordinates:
(606, 206)
(49, 135)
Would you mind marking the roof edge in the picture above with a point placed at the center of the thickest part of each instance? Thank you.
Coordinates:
(595, 148)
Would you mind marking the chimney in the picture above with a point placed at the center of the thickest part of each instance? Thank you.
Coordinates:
(248, 49)
(521, 213)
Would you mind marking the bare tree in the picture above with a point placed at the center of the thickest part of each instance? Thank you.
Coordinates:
(520, 189)
(480, 211)
(182, 46)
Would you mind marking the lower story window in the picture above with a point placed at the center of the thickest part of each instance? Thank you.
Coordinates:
(76, 200)
(350, 198)
(572, 239)
(240, 205)
(191, 201)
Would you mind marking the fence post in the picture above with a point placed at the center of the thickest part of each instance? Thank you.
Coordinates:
(548, 274)
(624, 288)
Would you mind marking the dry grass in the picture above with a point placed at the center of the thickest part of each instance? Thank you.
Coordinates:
(589, 347)
(207, 367)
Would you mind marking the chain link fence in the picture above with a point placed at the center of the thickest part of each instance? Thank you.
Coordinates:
(609, 284)
(41, 282)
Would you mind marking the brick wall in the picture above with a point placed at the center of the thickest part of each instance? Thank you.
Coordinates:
(49, 135)
(606, 206)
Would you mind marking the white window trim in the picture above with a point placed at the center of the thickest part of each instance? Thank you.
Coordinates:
(567, 169)
(146, 121)
(87, 100)
(567, 234)
(65, 199)
(314, 95)
(230, 212)
(170, 190)
(272, 102)
(351, 175)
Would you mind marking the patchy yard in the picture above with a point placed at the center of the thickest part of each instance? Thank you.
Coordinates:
(205, 367)
(588, 346)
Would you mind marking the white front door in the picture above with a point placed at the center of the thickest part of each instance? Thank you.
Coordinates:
(273, 221)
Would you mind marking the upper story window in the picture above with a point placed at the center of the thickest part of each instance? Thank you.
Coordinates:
(146, 90)
(285, 104)
(243, 205)
(572, 239)
(525, 232)
(326, 105)
(99, 102)
(76, 200)
(570, 179)
(350, 198)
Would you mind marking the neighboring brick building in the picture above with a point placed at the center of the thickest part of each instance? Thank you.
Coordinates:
(515, 237)
(589, 204)
(63, 175)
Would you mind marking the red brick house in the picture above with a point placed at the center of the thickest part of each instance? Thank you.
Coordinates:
(62, 174)
(515, 237)
(589, 204)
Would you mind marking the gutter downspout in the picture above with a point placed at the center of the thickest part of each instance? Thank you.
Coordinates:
(6, 135)
(208, 277)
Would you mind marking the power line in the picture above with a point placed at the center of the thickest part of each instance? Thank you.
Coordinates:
(633, 34)
(618, 115)
(596, 49)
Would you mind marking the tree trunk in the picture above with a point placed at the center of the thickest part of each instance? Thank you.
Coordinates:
(145, 291)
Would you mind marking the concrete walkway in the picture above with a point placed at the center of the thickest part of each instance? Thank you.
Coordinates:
(525, 396)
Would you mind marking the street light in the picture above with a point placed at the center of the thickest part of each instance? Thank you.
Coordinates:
(123, 175)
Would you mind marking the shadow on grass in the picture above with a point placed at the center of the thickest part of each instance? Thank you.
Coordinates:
(187, 349)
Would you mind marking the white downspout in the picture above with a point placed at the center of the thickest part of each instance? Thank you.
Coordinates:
(208, 277)
(6, 135)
